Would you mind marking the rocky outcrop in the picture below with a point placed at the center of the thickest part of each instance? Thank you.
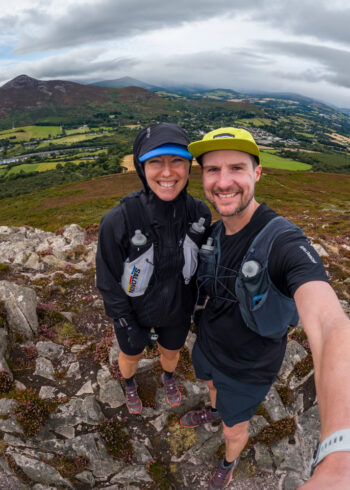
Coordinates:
(39, 250)
(78, 373)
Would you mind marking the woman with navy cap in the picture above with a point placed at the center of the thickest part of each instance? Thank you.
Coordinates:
(147, 256)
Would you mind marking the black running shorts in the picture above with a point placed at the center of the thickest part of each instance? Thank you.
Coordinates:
(169, 338)
(235, 401)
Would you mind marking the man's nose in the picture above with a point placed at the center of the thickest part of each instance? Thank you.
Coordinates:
(224, 179)
(166, 169)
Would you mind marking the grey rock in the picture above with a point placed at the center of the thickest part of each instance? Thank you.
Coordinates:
(15, 441)
(33, 262)
(141, 453)
(160, 422)
(256, 425)
(292, 481)
(263, 457)
(47, 392)
(132, 474)
(294, 354)
(91, 447)
(114, 352)
(20, 304)
(87, 478)
(110, 392)
(10, 425)
(145, 364)
(38, 486)
(297, 382)
(3, 341)
(307, 437)
(44, 368)
(6, 406)
(49, 349)
(9, 481)
(74, 371)
(68, 315)
(4, 366)
(40, 472)
(86, 389)
(75, 412)
(322, 252)
(66, 431)
(274, 406)
(191, 339)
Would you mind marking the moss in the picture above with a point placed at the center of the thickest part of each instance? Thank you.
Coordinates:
(3, 447)
(286, 394)
(147, 389)
(275, 432)
(261, 410)
(116, 439)
(157, 471)
(68, 467)
(185, 366)
(180, 439)
(4, 270)
(303, 367)
(3, 314)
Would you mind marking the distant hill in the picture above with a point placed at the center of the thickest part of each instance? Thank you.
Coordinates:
(25, 100)
(125, 82)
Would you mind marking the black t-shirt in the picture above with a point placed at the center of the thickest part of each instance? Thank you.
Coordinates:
(223, 336)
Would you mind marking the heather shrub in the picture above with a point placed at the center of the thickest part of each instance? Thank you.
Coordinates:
(32, 411)
(117, 440)
(6, 383)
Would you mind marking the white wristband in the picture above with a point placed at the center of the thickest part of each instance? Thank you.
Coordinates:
(338, 441)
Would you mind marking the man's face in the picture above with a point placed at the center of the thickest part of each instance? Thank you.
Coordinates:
(167, 175)
(229, 179)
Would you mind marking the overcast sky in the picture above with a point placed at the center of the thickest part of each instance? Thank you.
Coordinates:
(245, 45)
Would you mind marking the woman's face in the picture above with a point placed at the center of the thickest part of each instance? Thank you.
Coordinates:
(167, 175)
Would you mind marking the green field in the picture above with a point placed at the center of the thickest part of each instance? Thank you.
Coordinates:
(67, 140)
(270, 160)
(25, 133)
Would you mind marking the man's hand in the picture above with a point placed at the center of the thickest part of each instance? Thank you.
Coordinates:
(138, 337)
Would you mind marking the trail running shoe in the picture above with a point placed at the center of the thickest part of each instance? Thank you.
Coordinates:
(199, 417)
(173, 394)
(133, 401)
(222, 476)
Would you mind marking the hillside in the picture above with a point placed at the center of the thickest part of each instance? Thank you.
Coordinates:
(64, 423)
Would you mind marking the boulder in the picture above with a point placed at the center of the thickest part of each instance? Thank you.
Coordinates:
(20, 304)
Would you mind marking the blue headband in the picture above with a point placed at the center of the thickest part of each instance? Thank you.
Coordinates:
(167, 150)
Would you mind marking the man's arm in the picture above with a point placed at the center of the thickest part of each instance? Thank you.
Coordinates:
(328, 331)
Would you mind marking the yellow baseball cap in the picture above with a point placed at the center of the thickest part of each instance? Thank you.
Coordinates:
(225, 139)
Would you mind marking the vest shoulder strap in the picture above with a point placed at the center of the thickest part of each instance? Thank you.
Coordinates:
(261, 246)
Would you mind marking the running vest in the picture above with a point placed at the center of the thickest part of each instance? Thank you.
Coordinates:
(144, 259)
(264, 309)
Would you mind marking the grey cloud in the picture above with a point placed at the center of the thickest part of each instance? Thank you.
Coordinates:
(334, 63)
(317, 18)
(73, 65)
(117, 19)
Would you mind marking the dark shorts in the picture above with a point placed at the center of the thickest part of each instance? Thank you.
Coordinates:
(235, 401)
(169, 338)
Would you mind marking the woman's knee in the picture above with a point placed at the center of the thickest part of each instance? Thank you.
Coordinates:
(129, 359)
(171, 355)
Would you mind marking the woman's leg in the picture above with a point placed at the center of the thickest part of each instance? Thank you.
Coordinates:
(128, 364)
(168, 358)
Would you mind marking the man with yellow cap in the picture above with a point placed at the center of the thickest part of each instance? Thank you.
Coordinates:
(257, 274)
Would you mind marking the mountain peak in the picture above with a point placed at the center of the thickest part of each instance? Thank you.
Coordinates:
(21, 82)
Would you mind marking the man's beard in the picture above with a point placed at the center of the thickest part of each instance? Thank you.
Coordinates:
(242, 207)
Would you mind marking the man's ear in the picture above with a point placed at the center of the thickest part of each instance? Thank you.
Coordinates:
(258, 171)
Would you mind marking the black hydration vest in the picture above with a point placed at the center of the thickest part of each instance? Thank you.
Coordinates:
(145, 260)
(264, 309)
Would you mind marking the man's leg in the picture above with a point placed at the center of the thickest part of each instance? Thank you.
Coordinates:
(168, 360)
(236, 438)
(212, 393)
